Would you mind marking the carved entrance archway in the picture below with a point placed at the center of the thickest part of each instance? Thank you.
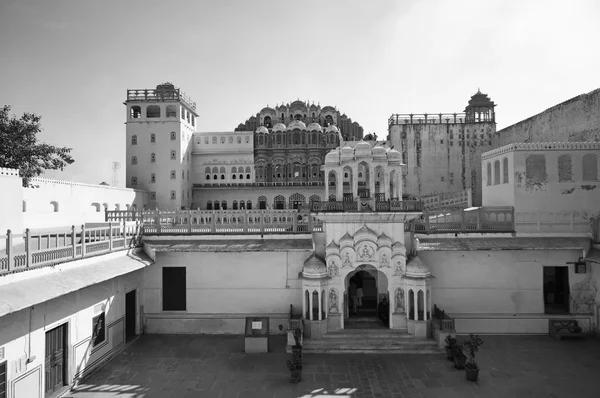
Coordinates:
(374, 285)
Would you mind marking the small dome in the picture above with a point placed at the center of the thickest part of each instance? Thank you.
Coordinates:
(331, 128)
(347, 153)
(267, 109)
(314, 127)
(314, 267)
(394, 156)
(279, 127)
(362, 149)
(416, 268)
(262, 130)
(296, 124)
(333, 157)
(379, 152)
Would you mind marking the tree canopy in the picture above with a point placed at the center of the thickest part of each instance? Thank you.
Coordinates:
(20, 149)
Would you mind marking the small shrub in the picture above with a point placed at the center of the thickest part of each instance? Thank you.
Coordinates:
(471, 346)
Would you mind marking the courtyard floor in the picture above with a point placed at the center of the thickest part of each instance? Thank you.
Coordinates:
(185, 366)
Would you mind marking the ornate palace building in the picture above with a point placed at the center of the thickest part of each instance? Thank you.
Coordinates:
(273, 160)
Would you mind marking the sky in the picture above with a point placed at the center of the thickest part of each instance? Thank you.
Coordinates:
(72, 61)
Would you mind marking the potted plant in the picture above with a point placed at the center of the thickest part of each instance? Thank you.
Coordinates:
(450, 347)
(295, 364)
(459, 357)
(472, 346)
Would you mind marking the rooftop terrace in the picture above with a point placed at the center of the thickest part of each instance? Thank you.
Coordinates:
(161, 93)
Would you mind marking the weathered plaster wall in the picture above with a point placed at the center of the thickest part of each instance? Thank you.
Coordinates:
(223, 288)
(22, 334)
(550, 194)
(577, 119)
(442, 157)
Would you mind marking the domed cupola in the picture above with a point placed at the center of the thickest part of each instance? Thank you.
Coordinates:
(314, 267)
(416, 268)
(394, 157)
(262, 130)
(315, 127)
(362, 150)
(379, 153)
(332, 128)
(296, 124)
(333, 157)
(278, 127)
(347, 153)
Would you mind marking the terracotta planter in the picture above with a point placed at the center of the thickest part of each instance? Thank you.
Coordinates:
(296, 375)
(472, 373)
(459, 362)
(450, 353)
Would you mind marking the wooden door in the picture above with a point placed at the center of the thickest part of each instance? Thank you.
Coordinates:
(130, 315)
(56, 356)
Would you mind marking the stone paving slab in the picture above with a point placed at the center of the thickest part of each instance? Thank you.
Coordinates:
(185, 366)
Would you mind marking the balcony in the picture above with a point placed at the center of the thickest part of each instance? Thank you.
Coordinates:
(482, 219)
(366, 206)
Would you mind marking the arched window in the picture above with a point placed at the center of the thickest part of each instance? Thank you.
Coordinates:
(173, 136)
(153, 157)
(152, 138)
(233, 176)
(135, 112)
(242, 205)
(279, 202)
(209, 205)
(152, 178)
(234, 205)
(262, 202)
(241, 176)
(314, 198)
(247, 176)
(222, 172)
(224, 205)
(535, 169)
(54, 205)
(267, 122)
(153, 111)
(233, 170)
(171, 111)
(505, 170)
(249, 205)
(496, 172)
(489, 174)
(590, 167)
(134, 139)
(207, 172)
(565, 168)
(296, 200)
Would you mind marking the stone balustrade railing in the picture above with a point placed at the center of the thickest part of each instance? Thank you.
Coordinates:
(40, 248)
(482, 219)
(209, 222)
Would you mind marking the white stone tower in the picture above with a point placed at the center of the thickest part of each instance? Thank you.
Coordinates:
(160, 125)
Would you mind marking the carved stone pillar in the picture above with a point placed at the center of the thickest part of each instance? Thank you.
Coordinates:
(386, 184)
(326, 186)
(371, 181)
(319, 298)
(310, 306)
(340, 185)
(355, 182)
(304, 303)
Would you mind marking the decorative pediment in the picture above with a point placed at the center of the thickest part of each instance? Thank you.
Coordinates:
(346, 241)
(365, 233)
(398, 249)
(332, 248)
(384, 241)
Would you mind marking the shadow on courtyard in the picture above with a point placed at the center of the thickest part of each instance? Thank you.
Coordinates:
(215, 366)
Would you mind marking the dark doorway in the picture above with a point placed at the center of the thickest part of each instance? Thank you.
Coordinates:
(296, 204)
(130, 315)
(368, 303)
(56, 359)
(556, 290)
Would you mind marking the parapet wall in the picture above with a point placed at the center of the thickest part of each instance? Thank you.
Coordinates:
(52, 203)
(577, 119)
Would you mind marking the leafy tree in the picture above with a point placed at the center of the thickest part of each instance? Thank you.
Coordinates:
(19, 148)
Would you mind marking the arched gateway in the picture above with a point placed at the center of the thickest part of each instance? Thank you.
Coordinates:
(362, 244)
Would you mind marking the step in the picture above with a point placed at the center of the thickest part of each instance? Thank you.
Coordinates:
(384, 348)
(368, 333)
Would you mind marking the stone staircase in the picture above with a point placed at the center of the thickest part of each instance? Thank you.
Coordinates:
(369, 336)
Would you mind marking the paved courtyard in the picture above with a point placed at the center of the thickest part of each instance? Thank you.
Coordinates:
(216, 366)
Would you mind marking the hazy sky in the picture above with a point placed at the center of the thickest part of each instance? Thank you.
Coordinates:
(72, 61)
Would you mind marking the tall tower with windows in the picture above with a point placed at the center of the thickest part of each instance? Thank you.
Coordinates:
(160, 124)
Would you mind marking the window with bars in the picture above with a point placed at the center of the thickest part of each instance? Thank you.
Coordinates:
(98, 329)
